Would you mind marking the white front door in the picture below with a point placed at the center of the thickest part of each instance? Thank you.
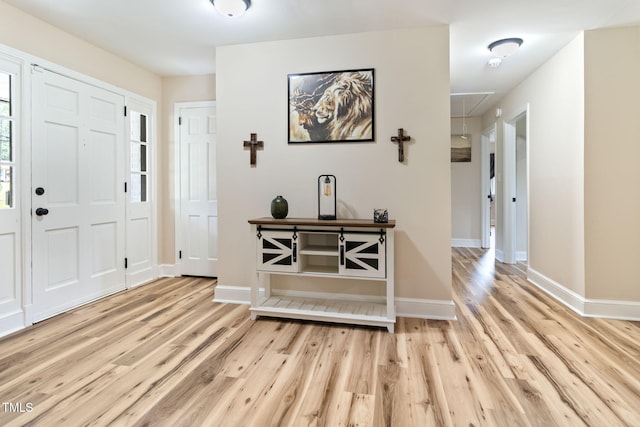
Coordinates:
(198, 241)
(77, 193)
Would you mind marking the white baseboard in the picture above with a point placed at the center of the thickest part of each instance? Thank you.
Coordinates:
(466, 243)
(521, 256)
(167, 270)
(142, 283)
(499, 255)
(232, 294)
(556, 290)
(609, 309)
(12, 322)
(426, 309)
(405, 307)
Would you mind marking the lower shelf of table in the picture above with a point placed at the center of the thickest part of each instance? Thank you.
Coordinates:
(351, 312)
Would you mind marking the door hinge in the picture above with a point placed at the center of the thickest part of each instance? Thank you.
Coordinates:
(125, 111)
(125, 187)
(179, 121)
(179, 254)
(126, 263)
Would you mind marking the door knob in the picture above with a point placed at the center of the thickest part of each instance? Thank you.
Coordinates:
(42, 211)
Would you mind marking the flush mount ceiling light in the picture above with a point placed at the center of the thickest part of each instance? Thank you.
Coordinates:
(495, 62)
(505, 47)
(231, 8)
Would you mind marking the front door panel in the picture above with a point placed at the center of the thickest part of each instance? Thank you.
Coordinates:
(78, 215)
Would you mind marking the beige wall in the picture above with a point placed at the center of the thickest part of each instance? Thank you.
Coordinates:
(555, 95)
(466, 186)
(612, 159)
(175, 89)
(412, 92)
(28, 34)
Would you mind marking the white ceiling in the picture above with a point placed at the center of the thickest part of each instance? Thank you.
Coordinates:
(178, 37)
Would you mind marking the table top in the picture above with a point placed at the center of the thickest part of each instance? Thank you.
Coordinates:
(364, 223)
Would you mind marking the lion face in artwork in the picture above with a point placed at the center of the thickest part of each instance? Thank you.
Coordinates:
(345, 107)
(326, 106)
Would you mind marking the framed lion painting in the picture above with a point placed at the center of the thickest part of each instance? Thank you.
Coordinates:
(335, 106)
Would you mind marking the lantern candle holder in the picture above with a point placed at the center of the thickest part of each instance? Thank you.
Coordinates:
(326, 197)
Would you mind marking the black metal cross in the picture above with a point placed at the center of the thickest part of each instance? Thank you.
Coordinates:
(254, 145)
(401, 139)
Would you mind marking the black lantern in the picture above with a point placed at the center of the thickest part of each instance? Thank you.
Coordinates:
(326, 197)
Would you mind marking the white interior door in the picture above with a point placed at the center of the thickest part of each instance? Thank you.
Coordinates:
(77, 193)
(198, 233)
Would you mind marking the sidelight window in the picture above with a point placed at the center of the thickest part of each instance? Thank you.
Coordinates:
(7, 142)
(139, 157)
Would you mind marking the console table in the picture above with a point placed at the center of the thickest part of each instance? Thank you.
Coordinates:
(331, 249)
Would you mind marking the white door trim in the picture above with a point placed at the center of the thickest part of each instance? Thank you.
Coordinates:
(509, 190)
(485, 186)
(177, 183)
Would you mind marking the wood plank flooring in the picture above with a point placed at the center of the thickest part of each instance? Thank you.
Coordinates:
(165, 355)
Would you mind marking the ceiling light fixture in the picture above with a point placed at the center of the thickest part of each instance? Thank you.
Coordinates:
(505, 47)
(231, 8)
(495, 62)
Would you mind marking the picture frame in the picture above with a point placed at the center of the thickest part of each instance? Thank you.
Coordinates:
(331, 106)
(460, 148)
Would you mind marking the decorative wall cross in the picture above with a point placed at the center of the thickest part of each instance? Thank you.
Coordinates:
(253, 145)
(401, 139)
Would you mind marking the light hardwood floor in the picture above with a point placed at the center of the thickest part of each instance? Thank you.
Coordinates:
(164, 354)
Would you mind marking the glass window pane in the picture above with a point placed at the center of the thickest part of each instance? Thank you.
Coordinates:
(135, 126)
(5, 108)
(5, 94)
(135, 157)
(135, 187)
(143, 128)
(143, 188)
(6, 149)
(143, 158)
(6, 181)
